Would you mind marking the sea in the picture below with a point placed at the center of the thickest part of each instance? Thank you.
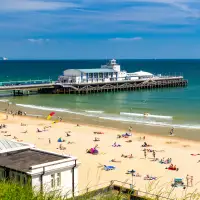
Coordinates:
(167, 107)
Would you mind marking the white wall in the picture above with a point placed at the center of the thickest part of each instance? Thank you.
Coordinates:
(36, 183)
(65, 169)
(76, 181)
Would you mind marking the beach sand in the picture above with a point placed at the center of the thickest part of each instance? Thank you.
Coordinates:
(91, 171)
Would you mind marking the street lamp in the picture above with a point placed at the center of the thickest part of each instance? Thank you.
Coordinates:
(132, 174)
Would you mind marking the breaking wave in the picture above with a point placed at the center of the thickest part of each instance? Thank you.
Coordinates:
(148, 116)
(94, 111)
(133, 118)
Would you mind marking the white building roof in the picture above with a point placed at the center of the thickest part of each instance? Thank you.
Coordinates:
(10, 144)
(99, 70)
(141, 73)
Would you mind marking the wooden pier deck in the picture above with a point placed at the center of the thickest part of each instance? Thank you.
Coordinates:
(85, 88)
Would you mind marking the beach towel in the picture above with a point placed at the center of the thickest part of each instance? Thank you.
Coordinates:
(107, 168)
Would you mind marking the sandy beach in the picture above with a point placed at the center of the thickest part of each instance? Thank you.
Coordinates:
(91, 171)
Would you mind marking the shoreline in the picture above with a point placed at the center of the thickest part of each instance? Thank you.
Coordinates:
(122, 130)
(157, 131)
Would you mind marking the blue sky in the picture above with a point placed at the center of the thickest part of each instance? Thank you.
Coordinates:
(81, 29)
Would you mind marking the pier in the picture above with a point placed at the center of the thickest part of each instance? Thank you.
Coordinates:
(85, 88)
(22, 88)
(53, 87)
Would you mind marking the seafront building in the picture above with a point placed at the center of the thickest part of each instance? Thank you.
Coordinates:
(107, 73)
(45, 171)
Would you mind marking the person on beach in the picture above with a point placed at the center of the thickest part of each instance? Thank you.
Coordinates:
(49, 140)
(171, 131)
(187, 180)
(67, 133)
(145, 154)
(130, 128)
(191, 181)
(96, 139)
(154, 154)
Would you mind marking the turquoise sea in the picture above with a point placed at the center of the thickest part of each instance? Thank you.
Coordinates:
(177, 107)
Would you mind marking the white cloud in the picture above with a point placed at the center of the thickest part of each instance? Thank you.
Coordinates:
(126, 39)
(38, 41)
(33, 5)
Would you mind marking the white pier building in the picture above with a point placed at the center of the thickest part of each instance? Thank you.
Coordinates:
(107, 73)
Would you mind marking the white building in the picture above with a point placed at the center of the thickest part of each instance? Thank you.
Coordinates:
(107, 73)
(45, 171)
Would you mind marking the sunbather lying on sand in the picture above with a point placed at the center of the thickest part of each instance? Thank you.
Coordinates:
(172, 167)
(129, 141)
(127, 156)
(71, 142)
(2, 126)
(146, 145)
(68, 133)
(165, 161)
(61, 147)
(147, 177)
(114, 160)
(38, 130)
(23, 124)
(4, 131)
(98, 132)
(116, 145)
(96, 139)
(25, 131)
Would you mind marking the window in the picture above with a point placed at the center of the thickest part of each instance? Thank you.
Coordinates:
(1, 174)
(24, 180)
(18, 177)
(58, 179)
(90, 75)
(100, 75)
(53, 180)
(12, 175)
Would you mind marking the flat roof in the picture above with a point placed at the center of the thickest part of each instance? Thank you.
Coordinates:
(98, 70)
(10, 144)
(22, 160)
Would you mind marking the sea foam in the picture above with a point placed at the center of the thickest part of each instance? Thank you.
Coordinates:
(123, 117)
(45, 108)
(149, 115)
(94, 111)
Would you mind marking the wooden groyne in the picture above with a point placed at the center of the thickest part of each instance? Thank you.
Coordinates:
(64, 88)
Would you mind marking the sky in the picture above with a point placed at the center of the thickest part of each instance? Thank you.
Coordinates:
(99, 29)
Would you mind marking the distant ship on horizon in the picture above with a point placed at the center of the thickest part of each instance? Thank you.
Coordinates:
(3, 58)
